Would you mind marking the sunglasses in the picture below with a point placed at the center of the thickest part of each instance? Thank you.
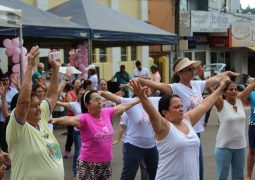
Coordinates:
(190, 69)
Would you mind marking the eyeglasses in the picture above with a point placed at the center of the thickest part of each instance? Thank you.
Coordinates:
(96, 100)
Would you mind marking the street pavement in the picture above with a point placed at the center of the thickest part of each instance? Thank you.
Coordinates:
(208, 140)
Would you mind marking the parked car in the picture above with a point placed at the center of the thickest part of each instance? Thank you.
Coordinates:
(216, 68)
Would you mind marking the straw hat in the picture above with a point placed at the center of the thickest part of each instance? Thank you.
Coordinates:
(185, 62)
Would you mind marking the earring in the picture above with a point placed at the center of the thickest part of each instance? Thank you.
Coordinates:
(166, 116)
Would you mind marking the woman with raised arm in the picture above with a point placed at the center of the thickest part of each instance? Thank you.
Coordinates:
(139, 143)
(189, 90)
(34, 150)
(96, 135)
(75, 107)
(177, 142)
(230, 141)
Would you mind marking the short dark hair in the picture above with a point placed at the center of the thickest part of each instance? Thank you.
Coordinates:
(35, 87)
(4, 75)
(165, 102)
(138, 63)
(86, 83)
(86, 99)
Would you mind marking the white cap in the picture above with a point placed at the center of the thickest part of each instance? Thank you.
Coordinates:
(91, 66)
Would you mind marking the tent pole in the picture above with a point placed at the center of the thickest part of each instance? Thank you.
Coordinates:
(20, 55)
(90, 50)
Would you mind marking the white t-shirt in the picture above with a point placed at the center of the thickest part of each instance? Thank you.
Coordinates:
(178, 155)
(191, 98)
(144, 73)
(76, 109)
(94, 80)
(231, 133)
(124, 122)
(139, 132)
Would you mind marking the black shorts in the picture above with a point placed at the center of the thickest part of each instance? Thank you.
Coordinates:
(251, 136)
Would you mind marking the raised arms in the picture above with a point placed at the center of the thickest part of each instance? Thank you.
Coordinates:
(159, 124)
(24, 99)
(52, 93)
(195, 114)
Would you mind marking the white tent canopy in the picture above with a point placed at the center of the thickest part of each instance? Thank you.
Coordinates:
(10, 17)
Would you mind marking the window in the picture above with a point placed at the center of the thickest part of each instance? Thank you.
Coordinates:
(93, 56)
(201, 56)
(123, 53)
(188, 55)
(220, 57)
(183, 5)
(133, 53)
(102, 54)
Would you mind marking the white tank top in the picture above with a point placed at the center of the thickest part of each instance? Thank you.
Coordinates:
(231, 133)
(179, 155)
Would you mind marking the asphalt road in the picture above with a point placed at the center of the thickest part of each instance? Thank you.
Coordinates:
(208, 140)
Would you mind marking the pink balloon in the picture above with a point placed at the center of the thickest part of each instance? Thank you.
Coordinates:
(15, 58)
(7, 43)
(15, 42)
(16, 68)
(9, 52)
(24, 59)
(16, 51)
(24, 66)
(82, 67)
(24, 51)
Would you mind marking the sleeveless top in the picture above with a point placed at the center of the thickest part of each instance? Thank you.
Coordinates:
(231, 133)
(179, 155)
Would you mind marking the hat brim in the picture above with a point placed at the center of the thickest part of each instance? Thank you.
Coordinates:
(186, 64)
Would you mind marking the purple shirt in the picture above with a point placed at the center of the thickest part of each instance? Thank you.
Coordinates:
(96, 136)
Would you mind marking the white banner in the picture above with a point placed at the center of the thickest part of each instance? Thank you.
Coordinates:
(204, 21)
(10, 17)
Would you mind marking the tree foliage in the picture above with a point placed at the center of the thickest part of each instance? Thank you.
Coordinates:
(248, 10)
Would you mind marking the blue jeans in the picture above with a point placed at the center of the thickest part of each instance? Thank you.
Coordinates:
(201, 161)
(132, 156)
(226, 157)
(77, 147)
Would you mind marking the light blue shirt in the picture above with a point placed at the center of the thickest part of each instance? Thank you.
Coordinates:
(9, 94)
(251, 99)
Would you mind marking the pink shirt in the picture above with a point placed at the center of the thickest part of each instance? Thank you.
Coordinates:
(156, 77)
(96, 136)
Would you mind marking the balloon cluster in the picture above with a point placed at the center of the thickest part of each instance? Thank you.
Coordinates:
(13, 50)
(79, 58)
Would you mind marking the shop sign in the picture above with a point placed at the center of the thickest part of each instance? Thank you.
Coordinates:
(215, 41)
(204, 21)
(184, 17)
(242, 34)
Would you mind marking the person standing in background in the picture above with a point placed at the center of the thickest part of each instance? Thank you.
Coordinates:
(93, 76)
(5, 81)
(155, 76)
(122, 78)
(39, 73)
(141, 71)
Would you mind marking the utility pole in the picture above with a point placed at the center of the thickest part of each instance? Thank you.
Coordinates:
(177, 12)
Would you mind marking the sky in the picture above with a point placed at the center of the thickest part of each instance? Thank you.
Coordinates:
(245, 3)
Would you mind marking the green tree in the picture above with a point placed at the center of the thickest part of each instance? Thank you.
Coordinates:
(248, 10)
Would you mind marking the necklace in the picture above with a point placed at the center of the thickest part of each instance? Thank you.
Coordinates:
(234, 107)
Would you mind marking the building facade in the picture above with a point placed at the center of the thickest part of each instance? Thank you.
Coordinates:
(214, 31)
